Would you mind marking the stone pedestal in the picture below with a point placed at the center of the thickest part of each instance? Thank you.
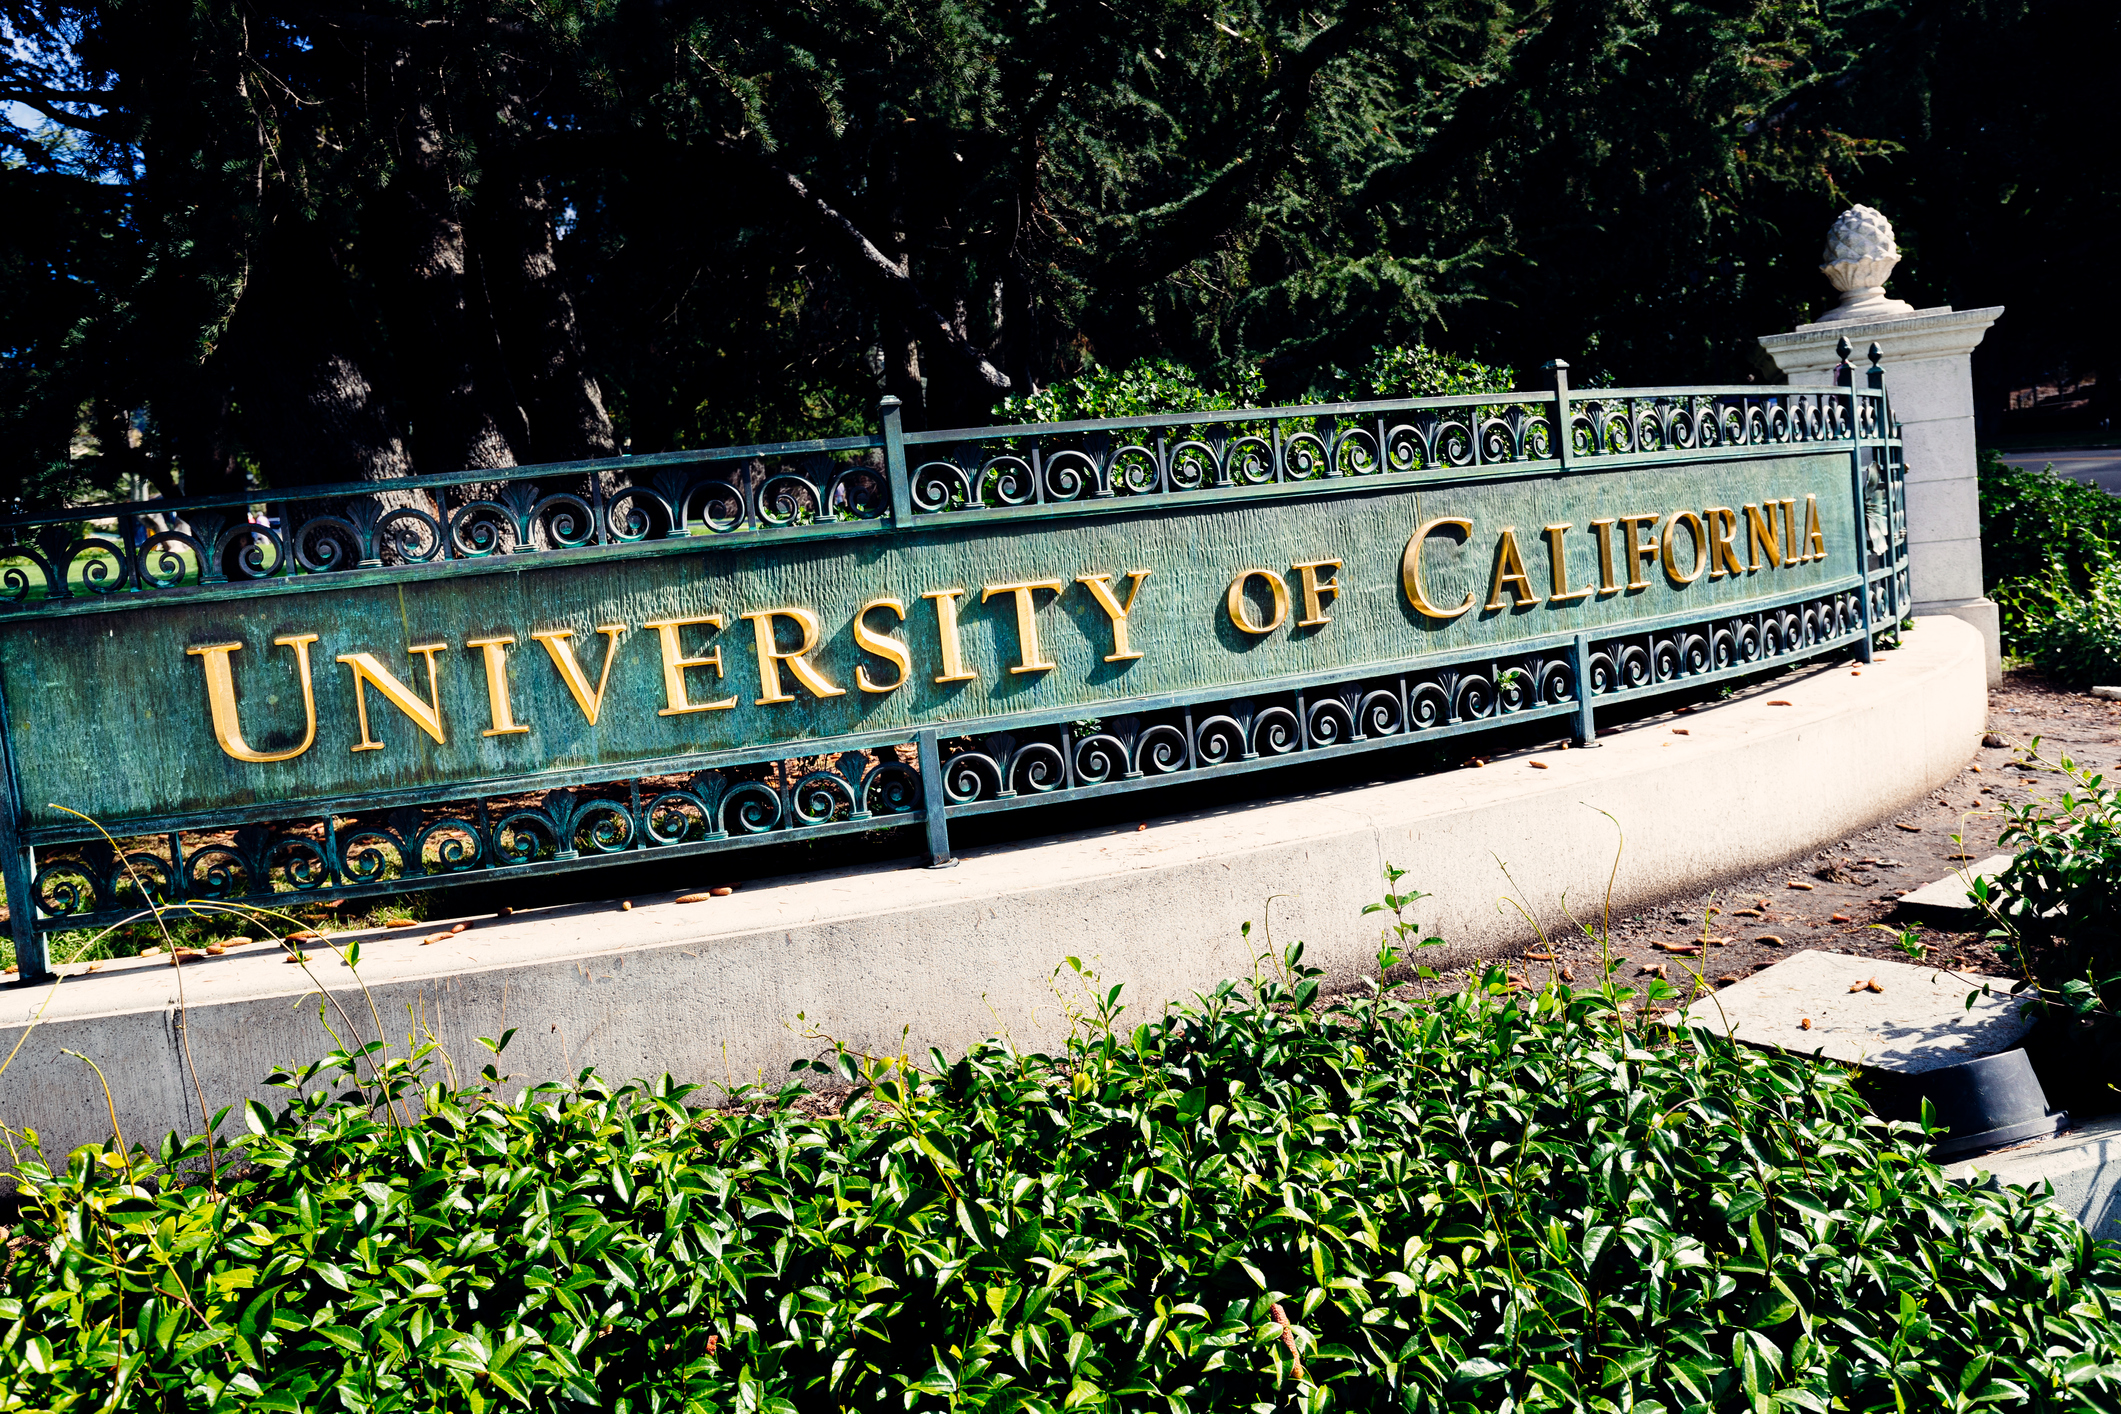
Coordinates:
(1929, 377)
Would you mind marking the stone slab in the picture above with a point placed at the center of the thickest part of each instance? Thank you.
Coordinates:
(1806, 354)
(882, 957)
(1951, 890)
(2084, 1166)
(1919, 1022)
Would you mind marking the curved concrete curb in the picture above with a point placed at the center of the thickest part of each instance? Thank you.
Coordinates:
(885, 958)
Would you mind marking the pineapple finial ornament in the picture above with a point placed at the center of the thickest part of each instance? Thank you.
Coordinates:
(1860, 255)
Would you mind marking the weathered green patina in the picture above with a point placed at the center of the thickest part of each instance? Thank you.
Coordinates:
(820, 637)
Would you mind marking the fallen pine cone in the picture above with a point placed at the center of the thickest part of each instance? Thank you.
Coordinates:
(296, 957)
(1872, 986)
(1681, 731)
(460, 927)
(1798, 884)
(307, 935)
(724, 891)
(185, 955)
(1537, 765)
(626, 907)
(1780, 702)
(1568, 974)
(1689, 949)
(1805, 1024)
(1768, 940)
(1745, 913)
(1540, 956)
(233, 942)
(401, 922)
(1840, 918)
(436, 938)
(1904, 825)
(694, 898)
(1652, 969)
(1726, 979)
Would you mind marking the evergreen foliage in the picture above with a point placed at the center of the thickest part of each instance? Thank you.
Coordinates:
(298, 245)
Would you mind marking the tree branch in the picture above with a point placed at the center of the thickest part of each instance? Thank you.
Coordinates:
(46, 102)
(1170, 237)
(860, 256)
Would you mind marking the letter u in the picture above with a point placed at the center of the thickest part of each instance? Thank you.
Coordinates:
(221, 697)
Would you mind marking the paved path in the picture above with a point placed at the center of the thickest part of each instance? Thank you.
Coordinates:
(2101, 466)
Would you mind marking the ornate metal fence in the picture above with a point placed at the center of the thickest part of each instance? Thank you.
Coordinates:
(1112, 605)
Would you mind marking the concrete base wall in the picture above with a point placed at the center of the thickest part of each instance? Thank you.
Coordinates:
(882, 958)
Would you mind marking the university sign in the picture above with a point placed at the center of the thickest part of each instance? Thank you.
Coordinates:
(370, 688)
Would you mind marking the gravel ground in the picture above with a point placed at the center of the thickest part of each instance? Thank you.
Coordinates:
(1835, 899)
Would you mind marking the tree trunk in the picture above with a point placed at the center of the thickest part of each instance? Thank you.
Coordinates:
(464, 414)
(535, 317)
(311, 414)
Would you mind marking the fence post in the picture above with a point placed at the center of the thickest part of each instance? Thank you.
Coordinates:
(895, 461)
(31, 964)
(1564, 443)
(935, 799)
(1845, 377)
(1886, 432)
(1586, 723)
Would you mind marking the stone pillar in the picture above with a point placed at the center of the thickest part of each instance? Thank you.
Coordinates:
(1929, 377)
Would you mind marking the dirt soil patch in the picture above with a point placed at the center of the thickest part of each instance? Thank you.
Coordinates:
(1834, 899)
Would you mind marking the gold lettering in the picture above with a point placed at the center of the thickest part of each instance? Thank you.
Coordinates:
(1410, 568)
(495, 651)
(1607, 583)
(954, 669)
(561, 652)
(1509, 572)
(1639, 553)
(1723, 554)
(1789, 532)
(883, 645)
(221, 696)
(1699, 534)
(1316, 591)
(1558, 565)
(772, 655)
(1240, 607)
(368, 672)
(1029, 657)
(679, 701)
(1100, 588)
(1814, 542)
(1761, 532)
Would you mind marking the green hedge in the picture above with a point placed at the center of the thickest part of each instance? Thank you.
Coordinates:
(1481, 1201)
(2051, 558)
